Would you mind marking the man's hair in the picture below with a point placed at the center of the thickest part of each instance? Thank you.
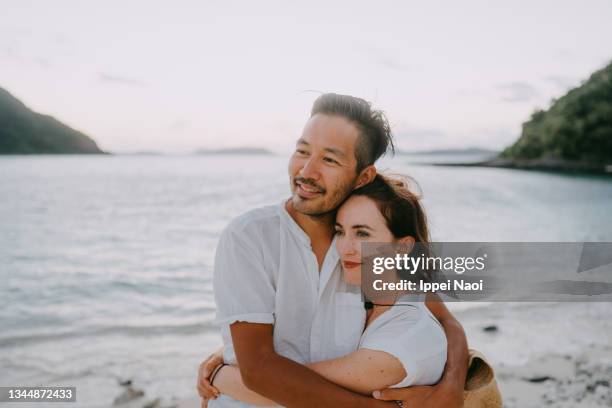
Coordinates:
(375, 137)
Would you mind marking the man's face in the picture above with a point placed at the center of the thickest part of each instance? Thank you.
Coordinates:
(322, 169)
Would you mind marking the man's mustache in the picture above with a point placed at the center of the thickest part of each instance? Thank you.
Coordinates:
(309, 182)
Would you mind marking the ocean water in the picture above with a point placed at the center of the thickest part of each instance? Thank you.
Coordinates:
(106, 262)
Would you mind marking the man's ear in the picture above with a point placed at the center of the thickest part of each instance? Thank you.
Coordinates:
(366, 176)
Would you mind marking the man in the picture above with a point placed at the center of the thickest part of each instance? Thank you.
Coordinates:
(277, 279)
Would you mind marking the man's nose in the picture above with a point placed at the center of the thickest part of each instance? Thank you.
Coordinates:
(310, 170)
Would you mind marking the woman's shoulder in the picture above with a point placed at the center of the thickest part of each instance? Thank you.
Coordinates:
(408, 332)
(395, 321)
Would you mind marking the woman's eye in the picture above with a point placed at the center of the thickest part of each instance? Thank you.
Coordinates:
(362, 234)
(339, 232)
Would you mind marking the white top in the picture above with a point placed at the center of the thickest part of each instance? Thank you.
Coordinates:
(409, 332)
(266, 272)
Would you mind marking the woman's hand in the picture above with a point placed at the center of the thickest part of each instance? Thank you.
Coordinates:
(423, 396)
(205, 388)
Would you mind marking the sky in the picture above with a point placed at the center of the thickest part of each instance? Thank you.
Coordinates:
(182, 75)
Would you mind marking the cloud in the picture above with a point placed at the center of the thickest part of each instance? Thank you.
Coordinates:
(119, 80)
(517, 92)
(471, 93)
(10, 53)
(394, 64)
(385, 58)
(563, 82)
(565, 54)
(178, 125)
(496, 137)
(409, 137)
(420, 132)
(419, 135)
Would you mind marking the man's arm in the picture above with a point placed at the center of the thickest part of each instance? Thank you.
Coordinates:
(283, 380)
(448, 392)
(363, 371)
(457, 358)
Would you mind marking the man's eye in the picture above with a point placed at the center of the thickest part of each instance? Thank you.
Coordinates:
(362, 234)
(330, 160)
(301, 152)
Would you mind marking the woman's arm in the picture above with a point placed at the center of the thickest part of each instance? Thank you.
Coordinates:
(229, 382)
(362, 371)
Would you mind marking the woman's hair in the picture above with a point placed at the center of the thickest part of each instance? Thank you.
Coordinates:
(401, 208)
(399, 205)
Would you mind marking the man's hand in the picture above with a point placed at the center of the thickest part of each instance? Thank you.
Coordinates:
(205, 389)
(422, 396)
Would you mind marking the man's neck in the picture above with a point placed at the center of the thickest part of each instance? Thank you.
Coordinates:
(320, 229)
(316, 227)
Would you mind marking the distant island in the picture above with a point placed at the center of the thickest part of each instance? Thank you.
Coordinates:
(141, 153)
(23, 131)
(257, 151)
(574, 134)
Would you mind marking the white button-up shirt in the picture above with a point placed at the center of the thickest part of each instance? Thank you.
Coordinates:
(266, 272)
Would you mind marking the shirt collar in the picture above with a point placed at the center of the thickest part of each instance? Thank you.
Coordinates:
(293, 226)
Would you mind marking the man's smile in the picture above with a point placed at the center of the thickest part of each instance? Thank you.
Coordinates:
(307, 191)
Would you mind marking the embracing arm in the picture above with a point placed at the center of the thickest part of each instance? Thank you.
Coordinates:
(283, 380)
(229, 382)
(362, 371)
(455, 371)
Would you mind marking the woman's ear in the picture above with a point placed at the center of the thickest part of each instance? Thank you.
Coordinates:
(408, 242)
(366, 176)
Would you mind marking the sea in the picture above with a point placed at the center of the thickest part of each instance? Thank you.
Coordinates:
(106, 261)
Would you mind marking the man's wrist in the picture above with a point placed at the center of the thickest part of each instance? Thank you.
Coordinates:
(451, 390)
(451, 384)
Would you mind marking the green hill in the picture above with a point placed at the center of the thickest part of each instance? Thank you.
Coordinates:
(575, 132)
(23, 131)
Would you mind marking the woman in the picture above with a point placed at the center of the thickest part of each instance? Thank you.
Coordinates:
(403, 344)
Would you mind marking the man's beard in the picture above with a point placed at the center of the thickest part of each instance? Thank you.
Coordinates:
(324, 205)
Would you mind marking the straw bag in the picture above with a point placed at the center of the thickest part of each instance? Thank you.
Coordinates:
(480, 389)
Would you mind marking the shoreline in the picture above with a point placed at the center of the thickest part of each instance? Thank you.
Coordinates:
(551, 165)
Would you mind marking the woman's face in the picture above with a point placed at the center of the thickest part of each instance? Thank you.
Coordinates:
(358, 220)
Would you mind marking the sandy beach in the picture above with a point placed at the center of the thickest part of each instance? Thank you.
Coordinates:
(546, 354)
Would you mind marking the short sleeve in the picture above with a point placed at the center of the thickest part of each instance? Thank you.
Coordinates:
(418, 343)
(244, 290)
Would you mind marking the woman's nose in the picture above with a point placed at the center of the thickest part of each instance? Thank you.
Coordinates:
(346, 246)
